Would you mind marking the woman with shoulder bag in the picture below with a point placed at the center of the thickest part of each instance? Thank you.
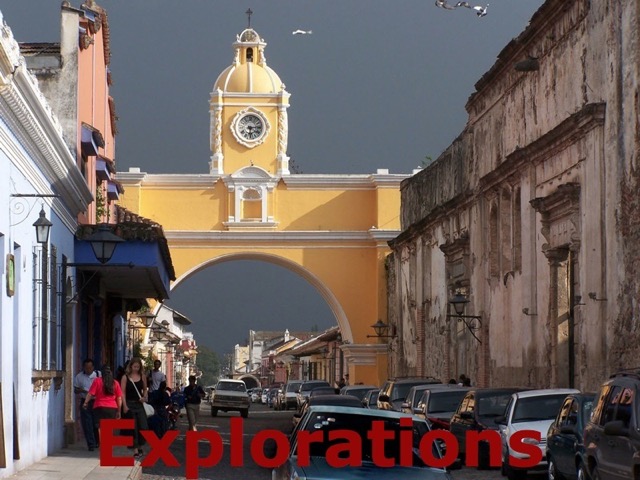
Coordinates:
(134, 388)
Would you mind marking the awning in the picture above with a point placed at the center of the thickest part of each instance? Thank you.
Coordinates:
(114, 189)
(91, 140)
(136, 270)
(102, 170)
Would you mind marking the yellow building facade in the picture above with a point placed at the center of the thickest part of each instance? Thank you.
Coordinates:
(332, 230)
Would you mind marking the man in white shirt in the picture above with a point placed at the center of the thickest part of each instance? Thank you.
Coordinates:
(156, 376)
(81, 384)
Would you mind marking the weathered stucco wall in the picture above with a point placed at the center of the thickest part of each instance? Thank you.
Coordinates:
(533, 212)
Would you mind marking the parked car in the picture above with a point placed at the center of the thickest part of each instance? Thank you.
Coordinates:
(305, 388)
(477, 411)
(287, 395)
(612, 435)
(532, 410)
(565, 445)
(271, 395)
(263, 396)
(410, 404)
(230, 396)
(437, 404)
(327, 419)
(256, 395)
(370, 399)
(357, 390)
(394, 392)
(342, 400)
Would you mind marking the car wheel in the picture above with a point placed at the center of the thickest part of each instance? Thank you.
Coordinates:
(244, 413)
(552, 470)
(214, 412)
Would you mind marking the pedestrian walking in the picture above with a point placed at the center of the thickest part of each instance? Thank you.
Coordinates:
(156, 377)
(134, 388)
(81, 385)
(106, 396)
(193, 394)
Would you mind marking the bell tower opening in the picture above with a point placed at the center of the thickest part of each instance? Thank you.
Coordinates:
(249, 54)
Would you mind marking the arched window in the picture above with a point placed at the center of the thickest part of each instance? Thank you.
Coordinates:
(251, 205)
(249, 54)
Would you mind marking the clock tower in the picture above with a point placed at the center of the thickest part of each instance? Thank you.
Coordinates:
(248, 109)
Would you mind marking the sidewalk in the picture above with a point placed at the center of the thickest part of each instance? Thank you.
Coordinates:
(77, 463)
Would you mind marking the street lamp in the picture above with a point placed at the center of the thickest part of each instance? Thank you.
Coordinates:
(381, 330)
(459, 302)
(103, 243)
(43, 227)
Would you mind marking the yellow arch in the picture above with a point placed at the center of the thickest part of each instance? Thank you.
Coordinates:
(322, 289)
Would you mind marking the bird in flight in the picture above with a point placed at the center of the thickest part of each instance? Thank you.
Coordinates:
(302, 32)
(481, 11)
(444, 4)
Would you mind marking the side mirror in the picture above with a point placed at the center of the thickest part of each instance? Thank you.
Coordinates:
(616, 429)
(383, 398)
(297, 415)
(466, 415)
(405, 405)
(417, 410)
(501, 420)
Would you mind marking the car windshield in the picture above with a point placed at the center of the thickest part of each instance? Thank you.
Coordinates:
(358, 392)
(402, 390)
(362, 425)
(232, 386)
(494, 405)
(322, 391)
(310, 386)
(442, 402)
(293, 387)
(531, 409)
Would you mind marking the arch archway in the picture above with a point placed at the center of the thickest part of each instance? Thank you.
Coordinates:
(278, 260)
(251, 381)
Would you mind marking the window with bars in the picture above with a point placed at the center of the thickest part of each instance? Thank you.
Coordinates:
(47, 325)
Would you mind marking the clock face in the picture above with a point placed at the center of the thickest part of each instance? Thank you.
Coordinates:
(250, 127)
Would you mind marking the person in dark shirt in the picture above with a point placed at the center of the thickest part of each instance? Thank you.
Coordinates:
(193, 395)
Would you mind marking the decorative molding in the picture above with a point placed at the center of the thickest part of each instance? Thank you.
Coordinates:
(560, 217)
(30, 117)
(363, 353)
(42, 380)
(293, 182)
(175, 237)
(347, 182)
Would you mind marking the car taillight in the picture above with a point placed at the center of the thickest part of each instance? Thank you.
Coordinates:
(438, 423)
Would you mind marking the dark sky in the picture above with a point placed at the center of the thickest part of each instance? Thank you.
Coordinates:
(379, 84)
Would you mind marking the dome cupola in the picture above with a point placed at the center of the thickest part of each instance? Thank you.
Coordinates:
(249, 72)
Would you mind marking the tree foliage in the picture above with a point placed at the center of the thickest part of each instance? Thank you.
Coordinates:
(209, 363)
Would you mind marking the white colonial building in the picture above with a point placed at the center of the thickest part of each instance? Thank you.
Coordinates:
(38, 176)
